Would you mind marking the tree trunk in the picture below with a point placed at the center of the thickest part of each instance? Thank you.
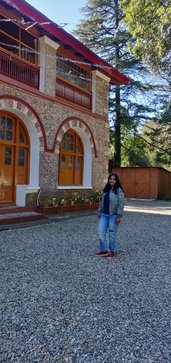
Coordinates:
(117, 155)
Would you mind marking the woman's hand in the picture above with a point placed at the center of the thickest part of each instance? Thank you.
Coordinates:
(118, 219)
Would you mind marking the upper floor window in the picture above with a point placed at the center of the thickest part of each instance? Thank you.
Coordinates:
(73, 73)
(17, 40)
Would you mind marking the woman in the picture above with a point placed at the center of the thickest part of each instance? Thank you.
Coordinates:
(110, 215)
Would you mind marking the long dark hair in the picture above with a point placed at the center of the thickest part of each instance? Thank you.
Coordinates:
(117, 184)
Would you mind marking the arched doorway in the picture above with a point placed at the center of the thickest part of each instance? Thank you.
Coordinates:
(14, 156)
(71, 158)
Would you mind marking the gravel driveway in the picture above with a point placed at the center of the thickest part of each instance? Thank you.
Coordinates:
(62, 304)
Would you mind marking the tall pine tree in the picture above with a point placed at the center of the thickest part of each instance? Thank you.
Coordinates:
(149, 23)
(104, 32)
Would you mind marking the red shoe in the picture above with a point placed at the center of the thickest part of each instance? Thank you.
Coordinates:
(102, 254)
(110, 255)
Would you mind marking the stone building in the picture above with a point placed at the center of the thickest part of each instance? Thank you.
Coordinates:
(54, 132)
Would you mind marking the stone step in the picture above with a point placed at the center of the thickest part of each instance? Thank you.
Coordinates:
(17, 217)
(14, 209)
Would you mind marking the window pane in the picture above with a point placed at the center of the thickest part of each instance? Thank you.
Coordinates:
(7, 160)
(78, 163)
(70, 162)
(10, 28)
(21, 137)
(2, 134)
(71, 142)
(9, 135)
(78, 149)
(21, 162)
(63, 162)
(68, 142)
(64, 146)
(9, 124)
(21, 157)
(21, 153)
(8, 42)
(73, 73)
(70, 138)
(8, 156)
(2, 122)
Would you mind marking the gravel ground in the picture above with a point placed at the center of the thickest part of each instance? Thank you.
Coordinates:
(62, 304)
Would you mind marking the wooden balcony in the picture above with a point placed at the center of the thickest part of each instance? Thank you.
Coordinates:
(19, 70)
(73, 94)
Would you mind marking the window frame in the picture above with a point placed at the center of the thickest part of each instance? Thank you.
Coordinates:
(62, 181)
(74, 74)
(23, 50)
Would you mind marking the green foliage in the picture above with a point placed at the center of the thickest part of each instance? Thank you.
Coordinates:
(105, 31)
(102, 30)
(157, 134)
(166, 197)
(149, 23)
(134, 149)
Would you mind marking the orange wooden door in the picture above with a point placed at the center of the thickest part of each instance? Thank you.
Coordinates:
(128, 181)
(142, 183)
(7, 176)
(71, 159)
(14, 156)
(136, 181)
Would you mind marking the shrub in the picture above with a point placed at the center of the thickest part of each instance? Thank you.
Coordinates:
(72, 198)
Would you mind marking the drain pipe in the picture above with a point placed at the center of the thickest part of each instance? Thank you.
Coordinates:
(38, 197)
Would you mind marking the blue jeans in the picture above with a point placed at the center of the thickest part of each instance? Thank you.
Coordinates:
(107, 222)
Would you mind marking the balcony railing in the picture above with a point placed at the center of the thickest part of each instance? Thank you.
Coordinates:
(18, 70)
(73, 94)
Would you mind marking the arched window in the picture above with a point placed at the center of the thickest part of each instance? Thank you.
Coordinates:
(71, 157)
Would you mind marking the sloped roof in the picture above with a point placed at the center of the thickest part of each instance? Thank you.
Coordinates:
(57, 32)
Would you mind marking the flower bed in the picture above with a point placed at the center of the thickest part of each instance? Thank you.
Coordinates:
(70, 202)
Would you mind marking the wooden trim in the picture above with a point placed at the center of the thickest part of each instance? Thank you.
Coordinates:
(16, 69)
(19, 58)
(74, 93)
(65, 80)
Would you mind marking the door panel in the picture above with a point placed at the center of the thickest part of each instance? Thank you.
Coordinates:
(7, 163)
(142, 183)
(78, 170)
(22, 165)
(66, 167)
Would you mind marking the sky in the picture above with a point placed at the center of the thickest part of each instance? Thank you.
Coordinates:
(61, 11)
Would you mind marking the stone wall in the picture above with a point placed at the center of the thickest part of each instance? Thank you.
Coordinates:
(49, 119)
(100, 85)
(52, 114)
